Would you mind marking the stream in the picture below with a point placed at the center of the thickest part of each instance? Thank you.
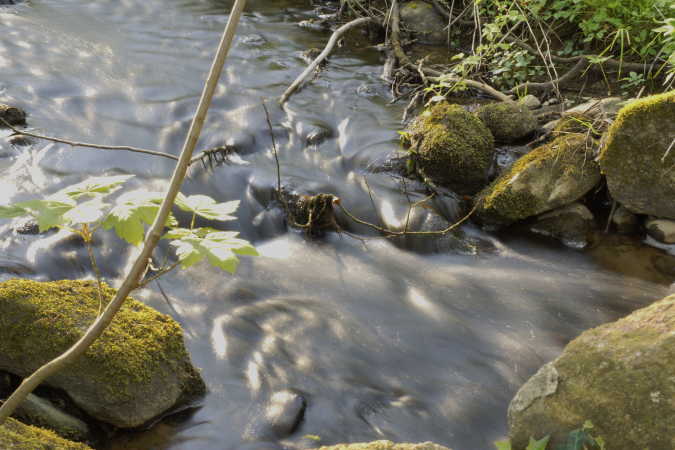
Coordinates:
(415, 340)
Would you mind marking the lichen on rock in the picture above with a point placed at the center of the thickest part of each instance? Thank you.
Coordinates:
(638, 157)
(452, 147)
(548, 177)
(619, 376)
(16, 435)
(508, 122)
(138, 369)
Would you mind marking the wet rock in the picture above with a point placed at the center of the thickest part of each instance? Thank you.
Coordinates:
(42, 413)
(16, 435)
(572, 224)
(598, 107)
(12, 115)
(508, 122)
(451, 147)
(136, 371)
(624, 221)
(637, 157)
(312, 213)
(550, 176)
(285, 411)
(384, 445)
(29, 226)
(424, 22)
(662, 230)
(530, 101)
(317, 135)
(20, 140)
(619, 376)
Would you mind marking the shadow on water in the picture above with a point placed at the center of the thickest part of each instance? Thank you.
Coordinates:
(377, 341)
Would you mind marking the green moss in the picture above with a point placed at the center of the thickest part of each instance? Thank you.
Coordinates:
(46, 318)
(635, 156)
(14, 434)
(505, 201)
(452, 147)
(619, 376)
(508, 122)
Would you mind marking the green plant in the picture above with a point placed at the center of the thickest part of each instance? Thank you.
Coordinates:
(579, 439)
(83, 209)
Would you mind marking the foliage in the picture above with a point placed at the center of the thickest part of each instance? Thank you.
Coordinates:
(83, 209)
(579, 439)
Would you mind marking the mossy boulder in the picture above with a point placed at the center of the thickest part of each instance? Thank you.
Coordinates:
(508, 121)
(452, 147)
(637, 157)
(426, 24)
(548, 177)
(139, 368)
(16, 435)
(384, 445)
(618, 375)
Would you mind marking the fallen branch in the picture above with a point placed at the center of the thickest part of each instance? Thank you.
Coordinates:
(323, 55)
(566, 78)
(133, 277)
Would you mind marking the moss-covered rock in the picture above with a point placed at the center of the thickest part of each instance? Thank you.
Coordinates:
(619, 376)
(384, 445)
(11, 115)
(138, 369)
(637, 157)
(577, 123)
(548, 177)
(452, 147)
(508, 122)
(16, 435)
(426, 24)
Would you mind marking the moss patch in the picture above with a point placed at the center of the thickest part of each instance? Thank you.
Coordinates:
(619, 376)
(14, 434)
(508, 122)
(635, 157)
(548, 177)
(40, 320)
(452, 147)
(384, 445)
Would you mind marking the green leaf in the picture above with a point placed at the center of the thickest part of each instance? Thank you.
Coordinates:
(86, 212)
(11, 211)
(538, 445)
(503, 445)
(576, 440)
(95, 186)
(219, 248)
(131, 211)
(49, 212)
(206, 207)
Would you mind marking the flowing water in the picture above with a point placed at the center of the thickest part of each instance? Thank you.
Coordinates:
(409, 341)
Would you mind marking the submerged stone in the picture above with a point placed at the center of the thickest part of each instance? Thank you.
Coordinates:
(572, 224)
(384, 445)
(618, 375)
(624, 221)
(508, 121)
(41, 412)
(639, 155)
(663, 230)
(548, 177)
(12, 115)
(16, 435)
(452, 147)
(138, 369)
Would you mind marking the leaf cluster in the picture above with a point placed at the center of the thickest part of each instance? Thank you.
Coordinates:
(579, 439)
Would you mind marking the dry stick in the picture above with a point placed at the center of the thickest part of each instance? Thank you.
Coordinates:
(433, 75)
(97, 146)
(567, 77)
(134, 275)
(323, 55)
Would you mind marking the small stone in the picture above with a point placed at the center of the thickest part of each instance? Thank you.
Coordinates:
(285, 411)
(42, 413)
(571, 224)
(624, 221)
(663, 230)
(508, 122)
(12, 115)
(424, 22)
(317, 135)
(531, 101)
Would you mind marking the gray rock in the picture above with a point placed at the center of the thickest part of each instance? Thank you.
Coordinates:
(282, 416)
(424, 21)
(663, 230)
(508, 122)
(542, 384)
(42, 413)
(571, 224)
(605, 107)
(624, 221)
(530, 101)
